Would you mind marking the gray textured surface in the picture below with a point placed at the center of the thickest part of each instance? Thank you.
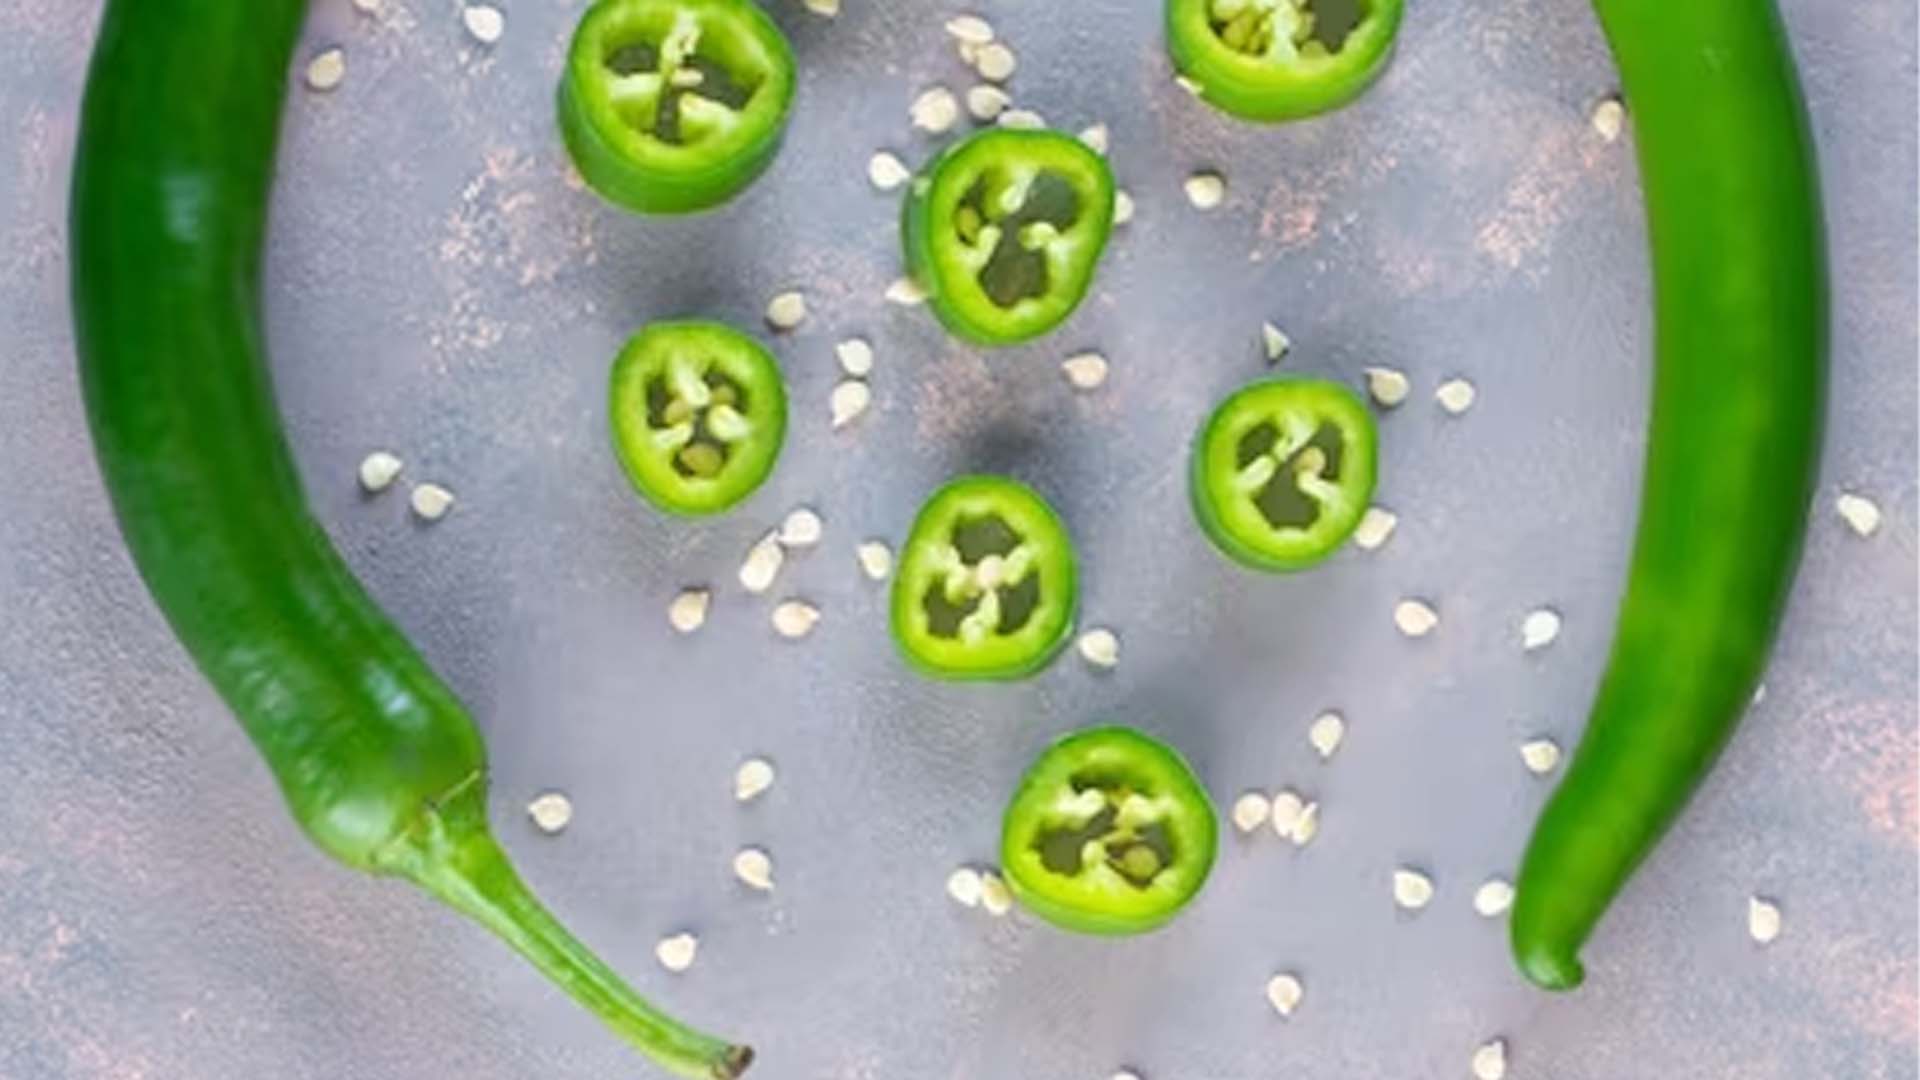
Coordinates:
(437, 288)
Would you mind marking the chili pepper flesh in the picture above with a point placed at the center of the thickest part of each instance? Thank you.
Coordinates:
(1272, 60)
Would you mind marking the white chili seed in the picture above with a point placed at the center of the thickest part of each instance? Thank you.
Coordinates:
(1122, 206)
(1250, 811)
(1190, 85)
(1539, 628)
(802, 528)
(1376, 525)
(1085, 371)
(855, 356)
(971, 29)
(1540, 756)
(1326, 733)
(995, 62)
(1415, 618)
(1412, 890)
(826, 9)
(1861, 514)
(754, 868)
(688, 611)
(550, 811)
(1125, 1074)
(787, 310)
(795, 619)
(1206, 190)
(849, 399)
(1274, 341)
(1388, 386)
(762, 564)
(485, 22)
(431, 502)
(906, 292)
(1022, 119)
(1763, 920)
(367, 7)
(1284, 993)
(326, 70)
(676, 953)
(963, 885)
(752, 779)
(1609, 118)
(1490, 1060)
(1455, 396)
(886, 172)
(378, 471)
(1100, 647)
(1307, 827)
(876, 559)
(935, 111)
(1493, 897)
(1096, 138)
(986, 101)
(1286, 811)
(995, 897)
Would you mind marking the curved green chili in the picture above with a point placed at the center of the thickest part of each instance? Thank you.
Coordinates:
(1279, 59)
(1740, 320)
(378, 762)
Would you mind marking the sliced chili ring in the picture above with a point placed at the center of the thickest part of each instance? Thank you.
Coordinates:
(1279, 59)
(699, 413)
(986, 586)
(1109, 832)
(1005, 229)
(669, 106)
(1283, 470)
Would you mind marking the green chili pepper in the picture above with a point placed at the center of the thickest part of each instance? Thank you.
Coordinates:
(986, 585)
(1282, 472)
(1740, 321)
(698, 415)
(378, 762)
(669, 106)
(1005, 229)
(1279, 59)
(1108, 833)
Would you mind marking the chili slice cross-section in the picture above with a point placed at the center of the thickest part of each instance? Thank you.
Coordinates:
(1282, 471)
(669, 106)
(698, 413)
(986, 587)
(1005, 230)
(1281, 59)
(1109, 832)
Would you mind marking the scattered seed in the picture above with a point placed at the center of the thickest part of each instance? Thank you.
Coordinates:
(1122, 207)
(367, 7)
(1759, 694)
(1609, 117)
(1284, 992)
(1861, 514)
(1086, 371)
(1376, 525)
(986, 101)
(1250, 811)
(1275, 341)
(1493, 897)
(1286, 810)
(431, 502)
(1763, 920)
(1412, 890)
(1305, 829)
(1490, 1060)
(876, 559)
(1022, 119)
(752, 779)
(1539, 628)
(326, 70)
(1326, 733)
(1541, 756)
(1455, 395)
(801, 529)
(886, 172)
(1100, 647)
(1206, 190)
(935, 111)
(787, 310)
(907, 292)
(1415, 618)
(688, 611)
(855, 356)
(1096, 138)
(795, 619)
(995, 62)
(994, 894)
(754, 868)
(378, 471)
(1388, 386)
(826, 9)
(762, 564)
(550, 811)
(963, 885)
(849, 399)
(1125, 1074)
(971, 29)
(485, 22)
(1191, 86)
(676, 953)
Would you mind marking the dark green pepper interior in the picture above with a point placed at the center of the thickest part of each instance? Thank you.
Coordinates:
(1282, 501)
(975, 539)
(1136, 854)
(634, 52)
(1015, 272)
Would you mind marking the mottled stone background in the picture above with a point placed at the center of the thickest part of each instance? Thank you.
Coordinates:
(437, 287)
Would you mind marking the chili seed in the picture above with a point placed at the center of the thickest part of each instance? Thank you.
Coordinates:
(1085, 371)
(886, 172)
(787, 310)
(1206, 190)
(701, 459)
(987, 101)
(1122, 206)
(963, 885)
(326, 70)
(1763, 920)
(906, 292)
(1250, 811)
(1307, 827)
(1490, 1060)
(378, 471)
(971, 29)
(1326, 733)
(1540, 756)
(1100, 647)
(1095, 138)
(855, 356)
(1415, 618)
(994, 894)
(995, 62)
(935, 111)
(1190, 85)
(1274, 341)
(801, 529)
(431, 502)
(752, 779)
(676, 953)
(1387, 386)
(763, 564)
(795, 619)
(1022, 119)
(849, 399)
(1412, 890)
(1285, 815)
(876, 559)
(1861, 514)
(550, 811)
(1376, 525)
(1455, 395)
(1285, 992)
(1609, 117)
(1125, 1074)
(754, 868)
(485, 22)
(1493, 897)
(826, 9)
(1539, 628)
(688, 612)
(367, 7)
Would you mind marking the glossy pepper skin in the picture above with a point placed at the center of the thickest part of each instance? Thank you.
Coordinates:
(622, 91)
(1108, 833)
(1740, 319)
(1005, 230)
(378, 762)
(1280, 75)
